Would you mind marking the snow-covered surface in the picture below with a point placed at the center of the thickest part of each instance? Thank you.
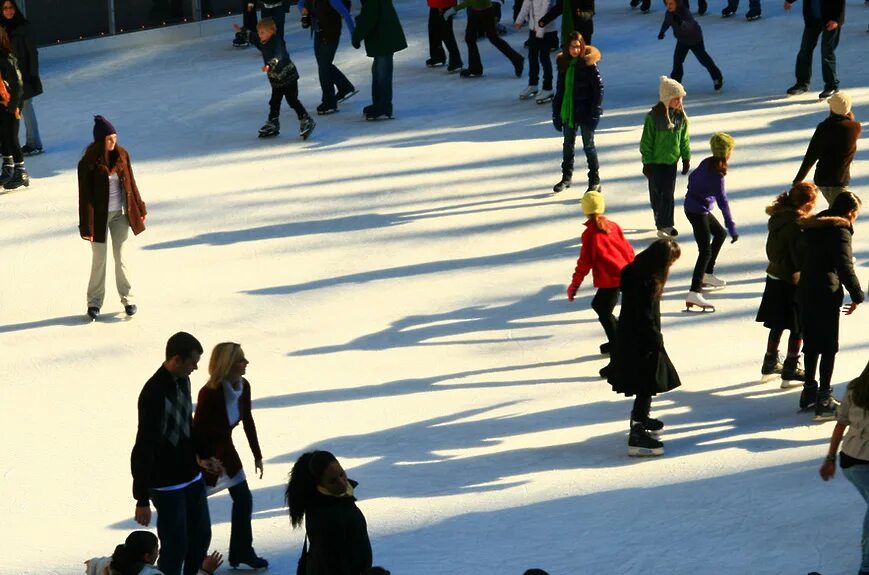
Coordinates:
(399, 289)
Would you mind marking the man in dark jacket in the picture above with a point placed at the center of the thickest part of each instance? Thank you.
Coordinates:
(379, 27)
(325, 16)
(833, 147)
(164, 463)
(822, 18)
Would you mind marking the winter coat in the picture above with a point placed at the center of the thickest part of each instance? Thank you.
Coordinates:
(856, 441)
(705, 187)
(213, 434)
(604, 254)
(830, 10)
(662, 144)
(327, 15)
(832, 146)
(282, 72)
(338, 541)
(24, 48)
(93, 196)
(685, 28)
(587, 87)
(582, 12)
(639, 363)
(441, 4)
(12, 78)
(782, 244)
(532, 11)
(379, 27)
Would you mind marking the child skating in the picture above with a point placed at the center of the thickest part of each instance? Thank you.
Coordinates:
(576, 107)
(284, 80)
(540, 43)
(705, 188)
(689, 37)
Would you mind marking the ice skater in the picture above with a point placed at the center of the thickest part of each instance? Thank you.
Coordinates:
(482, 18)
(324, 17)
(576, 15)
(665, 139)
(577, 107)
(440, 35)
(640, 365)
(822, 19)
(826, 268)
(705, 187)
(109, 203)
(540, 42)
(778, 307)
(284, 80)
(689, 37)
(137, 556)
(244, 33)
(604, 251)
(13, 175)
(379, 27)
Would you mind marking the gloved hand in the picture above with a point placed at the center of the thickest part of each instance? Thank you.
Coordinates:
(647, 171)
(733, 238)
(356, 44)
(598, 112)
(686, 165)
(306, 21)
(661, 36)
(557, 123)
(541, 24)
(571, 291)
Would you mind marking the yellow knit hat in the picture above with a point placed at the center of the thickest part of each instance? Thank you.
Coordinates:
(722, 144)
(592, 203)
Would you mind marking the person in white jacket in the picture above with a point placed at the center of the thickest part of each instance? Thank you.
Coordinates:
(137, 555)
(540, 42)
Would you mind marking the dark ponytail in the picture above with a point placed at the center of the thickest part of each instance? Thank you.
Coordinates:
(845, 203)
(302, 485)
(129, 557)
(859, 389)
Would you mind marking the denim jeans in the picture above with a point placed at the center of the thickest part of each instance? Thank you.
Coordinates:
(703, 57)
(184, 528)
(662, 186)
(332, 80)
(586, 131)
(829, 41)
(31, 126)
(710, 236)
(538, 55)
(381, 85)
(859, 476)
(241, 535)
(440, 34)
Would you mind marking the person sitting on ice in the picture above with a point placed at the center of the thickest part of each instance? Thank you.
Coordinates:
(137, 556)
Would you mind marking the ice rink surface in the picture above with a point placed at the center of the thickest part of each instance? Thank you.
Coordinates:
(399, 288)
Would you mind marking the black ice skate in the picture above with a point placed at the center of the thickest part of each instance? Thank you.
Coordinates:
(771, 366)
(241, 39)
(827, 93)
(270, 128)
(93, 313)
(825, 408)
(792, 374)
(564, 183)
(752, 15)
(809, 395)
(20, 179)
(642, 444)
(797, 89)
(306, 126)
(653, 427)
(727, 12)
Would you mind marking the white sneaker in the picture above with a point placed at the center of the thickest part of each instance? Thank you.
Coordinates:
(544, 97)
(710, 280)
(696, 299)
(528, 93)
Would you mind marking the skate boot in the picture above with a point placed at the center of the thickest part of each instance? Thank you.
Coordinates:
(792, 374)
(668, 233)
(306, 126)
(8, 170)
(696, 299)
(635, 3)
(564, 183)
(717, 84)
(702, 7)
(653, 426)
(710, 281)
(825, 407)
(771, 364)
(528, 93)
(544, 97)
(93, 313)
(727, 12)
(241, 39)
(809, 396)
(642, 444)
(752, 15)
(271, 128)
(19, 179)
(797, 89)
(827, 93)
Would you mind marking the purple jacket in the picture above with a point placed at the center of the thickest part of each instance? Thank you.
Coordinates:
(706, 186)
(685, 28)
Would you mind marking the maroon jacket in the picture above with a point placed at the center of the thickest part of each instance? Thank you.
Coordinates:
(93, 196)
(212, 432)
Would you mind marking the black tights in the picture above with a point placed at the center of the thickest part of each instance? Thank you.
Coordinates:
(825, 373)
(642, 407)
(795, 342)
(603, 303)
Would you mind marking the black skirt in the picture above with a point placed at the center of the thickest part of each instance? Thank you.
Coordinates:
(820, 320)
(778, 307)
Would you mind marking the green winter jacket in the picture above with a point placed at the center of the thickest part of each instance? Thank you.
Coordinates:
(378, 26)
(662, 144)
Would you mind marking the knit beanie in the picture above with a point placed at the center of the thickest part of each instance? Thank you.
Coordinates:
(722, 144)
(102, 128)
(840, 103)
(669, 89)
(592, 203)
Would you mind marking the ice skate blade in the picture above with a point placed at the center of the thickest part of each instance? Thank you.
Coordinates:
(709, 287)
(645, 451)
(823, 418)
(703, 308)
(544, 100)
(768, 377)
(791, 383)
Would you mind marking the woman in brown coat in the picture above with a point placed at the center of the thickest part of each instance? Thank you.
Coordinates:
(108, 203)
(224, 402)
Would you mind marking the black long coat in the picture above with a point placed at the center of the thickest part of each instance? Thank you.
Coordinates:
(639, 363)
(24, 48)
(337, 536)
(826, 266)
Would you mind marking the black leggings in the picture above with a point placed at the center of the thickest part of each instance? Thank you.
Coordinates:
(484, 20)
(642, 407)
(828, 362)
(291, 93)
(603, 303)
(9, 136)
(710, 236)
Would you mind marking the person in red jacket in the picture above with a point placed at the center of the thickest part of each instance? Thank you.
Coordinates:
(223, 402)
(440, 34)
(604, 251)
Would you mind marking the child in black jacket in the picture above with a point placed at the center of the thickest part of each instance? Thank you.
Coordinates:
(284, 79)
(689, 37)
(582, 14)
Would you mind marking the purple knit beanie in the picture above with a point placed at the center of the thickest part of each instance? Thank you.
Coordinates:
(102, 128)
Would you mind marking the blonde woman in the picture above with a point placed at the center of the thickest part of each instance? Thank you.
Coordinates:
(224, 402)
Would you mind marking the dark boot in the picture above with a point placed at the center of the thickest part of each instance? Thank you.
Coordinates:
(641, 443)
(19, 179)
(771, 364)
(8, 170)
(564, 183)
(791, 370)
(809, 396)
(825, 406)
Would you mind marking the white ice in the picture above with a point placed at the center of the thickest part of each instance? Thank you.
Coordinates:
(399, 289)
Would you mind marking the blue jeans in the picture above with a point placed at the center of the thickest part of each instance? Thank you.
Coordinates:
(184, 528)
(332, 80)
(829, 42)
(31, 126)
(859, 476)
(586, 132)
(381, 85)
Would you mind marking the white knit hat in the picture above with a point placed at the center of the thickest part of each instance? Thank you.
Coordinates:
(669, 89)
(840, 103)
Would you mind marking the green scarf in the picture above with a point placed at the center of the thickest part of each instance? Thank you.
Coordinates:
(566, 21)
(567, 99)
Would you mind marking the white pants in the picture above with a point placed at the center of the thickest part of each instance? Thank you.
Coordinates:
(118, 229)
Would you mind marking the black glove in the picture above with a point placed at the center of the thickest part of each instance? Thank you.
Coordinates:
(375, 571)
(356, 44)
(557, 123)
(647, 171)
(686, 165)
(306, 21)
(733, 238)
(598, 112)
(661, 36)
